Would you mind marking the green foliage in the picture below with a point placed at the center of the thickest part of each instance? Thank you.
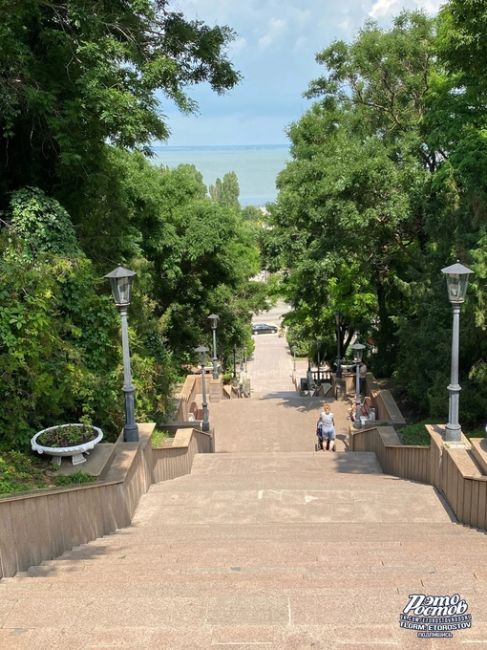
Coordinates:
(226, 191)
(20, 473)
(58, 360)
(66, 436)
(77, 478)
(42, 224)
(416, 434)
(159, 437)
(76, 75)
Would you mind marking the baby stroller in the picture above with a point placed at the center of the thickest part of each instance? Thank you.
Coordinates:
(320, 435)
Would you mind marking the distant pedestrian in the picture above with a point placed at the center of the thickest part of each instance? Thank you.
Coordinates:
(328, 434)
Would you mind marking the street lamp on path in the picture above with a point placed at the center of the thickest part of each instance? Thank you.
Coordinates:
(213, 318)
(121, 283)
(358, 350)
(338, 320)
(457, 281)
(293, 350)
(202, 351)
(318, 360)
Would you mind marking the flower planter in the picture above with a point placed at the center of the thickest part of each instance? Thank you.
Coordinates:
(75, 451)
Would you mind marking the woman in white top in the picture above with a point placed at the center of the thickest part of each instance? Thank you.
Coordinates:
(328, 427)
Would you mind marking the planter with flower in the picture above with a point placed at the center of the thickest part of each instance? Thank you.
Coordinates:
(75, 440)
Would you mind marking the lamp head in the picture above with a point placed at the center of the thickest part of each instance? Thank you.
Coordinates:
(358, 350)
(456, 282)
(121, 283)
(202, 351)
(213, 318)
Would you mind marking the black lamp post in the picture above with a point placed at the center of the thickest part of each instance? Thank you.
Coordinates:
(121, 283)
(457, 281)
(318, 360)
(202, 351)
(234, 361)
(358, 350)
(338, 320)
(213, 318)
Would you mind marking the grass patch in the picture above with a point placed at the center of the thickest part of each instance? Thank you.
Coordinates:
(415, 434)
(24, 472)
(159, 438)
(78, 478)
(21, 472)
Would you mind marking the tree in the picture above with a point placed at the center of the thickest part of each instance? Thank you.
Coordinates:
(76, 74)
(226, 191)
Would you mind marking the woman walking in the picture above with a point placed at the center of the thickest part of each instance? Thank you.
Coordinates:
(327, 428)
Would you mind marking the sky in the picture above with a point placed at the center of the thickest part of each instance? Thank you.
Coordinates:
(274, 50)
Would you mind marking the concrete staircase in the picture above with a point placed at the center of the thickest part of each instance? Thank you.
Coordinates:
(284, 551)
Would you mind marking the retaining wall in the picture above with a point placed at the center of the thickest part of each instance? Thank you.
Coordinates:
(43, 525)
(451, 470)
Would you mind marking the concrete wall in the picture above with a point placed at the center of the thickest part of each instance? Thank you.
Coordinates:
(186, 396)
(452, 471)
(43, 525)
(410, 462)
(177, 460)
(385, 405)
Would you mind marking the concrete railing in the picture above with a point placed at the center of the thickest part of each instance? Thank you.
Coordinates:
(385, 405)
(410, 462)
(452, 471)
(186, 396)
(177, 460)
(458, 477)
(44, 524)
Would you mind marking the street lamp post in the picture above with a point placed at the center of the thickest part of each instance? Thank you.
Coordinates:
(338, 320)
(358, 350)
(457, 281)
(318, 360)
(293, 350)
(213, 318)
(202, 351)
(234, 361)
(121, 282)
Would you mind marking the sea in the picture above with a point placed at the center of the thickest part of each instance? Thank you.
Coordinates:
(256, 166)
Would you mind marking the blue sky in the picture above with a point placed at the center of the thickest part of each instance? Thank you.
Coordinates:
(274, 50)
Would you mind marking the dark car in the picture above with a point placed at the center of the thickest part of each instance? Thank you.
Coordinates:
(263, 328)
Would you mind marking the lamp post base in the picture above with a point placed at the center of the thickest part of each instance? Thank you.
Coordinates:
(131, 433)
(453, 433)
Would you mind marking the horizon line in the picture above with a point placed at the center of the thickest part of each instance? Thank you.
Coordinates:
(213, 146)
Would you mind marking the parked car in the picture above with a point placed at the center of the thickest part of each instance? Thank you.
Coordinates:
(263, 328)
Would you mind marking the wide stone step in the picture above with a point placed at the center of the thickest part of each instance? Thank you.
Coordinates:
(268, 554)
(286, 464)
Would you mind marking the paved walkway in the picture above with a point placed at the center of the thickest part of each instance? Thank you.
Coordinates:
(275, 418)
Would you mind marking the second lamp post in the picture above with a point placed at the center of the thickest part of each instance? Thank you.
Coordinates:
(457, 280)
(358, 350)
(202, 351)
(121, 282)
(213, 318)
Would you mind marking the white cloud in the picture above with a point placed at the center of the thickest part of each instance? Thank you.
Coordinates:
(430, 6)
(383, 8)
(275, 29)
